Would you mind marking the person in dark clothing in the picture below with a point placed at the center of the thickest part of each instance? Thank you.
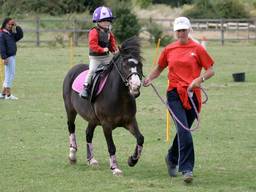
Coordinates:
(10, 33)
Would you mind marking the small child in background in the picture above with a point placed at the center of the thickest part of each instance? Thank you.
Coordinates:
(101, 42)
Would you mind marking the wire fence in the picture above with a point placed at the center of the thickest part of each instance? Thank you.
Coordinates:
(40, 31)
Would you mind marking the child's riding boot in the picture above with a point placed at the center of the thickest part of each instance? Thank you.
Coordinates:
(85, 92)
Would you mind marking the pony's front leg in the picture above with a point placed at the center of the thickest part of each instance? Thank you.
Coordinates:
(72, 143)
(112, 150)
(133, 128)
(89, 135)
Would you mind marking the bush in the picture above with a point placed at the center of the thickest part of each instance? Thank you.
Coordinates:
(201, 9)
(126, 24)
(11, 7)
(155, 31)
(217, 9)
(144, 3)
(93, 4)
(231, 9)
(166, 40)
(174, 3)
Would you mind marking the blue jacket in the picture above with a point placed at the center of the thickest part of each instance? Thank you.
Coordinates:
(8, 41)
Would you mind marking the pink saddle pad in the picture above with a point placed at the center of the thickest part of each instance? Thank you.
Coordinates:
(79, 81)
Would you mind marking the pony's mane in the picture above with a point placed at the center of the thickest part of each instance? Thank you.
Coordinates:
(131, 48)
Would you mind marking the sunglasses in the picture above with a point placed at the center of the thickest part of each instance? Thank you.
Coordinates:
(181, 30)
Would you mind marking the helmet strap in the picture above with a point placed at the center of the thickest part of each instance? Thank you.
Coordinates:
(103, 28)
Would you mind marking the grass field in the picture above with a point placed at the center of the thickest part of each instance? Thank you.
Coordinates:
(34, 136)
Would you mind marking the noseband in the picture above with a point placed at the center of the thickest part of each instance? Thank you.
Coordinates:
(126, 79)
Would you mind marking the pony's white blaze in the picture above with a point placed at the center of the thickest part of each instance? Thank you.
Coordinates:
(134, 81)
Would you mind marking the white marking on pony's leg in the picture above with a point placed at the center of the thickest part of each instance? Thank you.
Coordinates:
(72, 140)
(72, 155)
(72, 148)
(90, 158)
(93, 162)
(114, 166)
(139, 151)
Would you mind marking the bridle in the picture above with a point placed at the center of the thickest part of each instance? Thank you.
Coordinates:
(126, 79)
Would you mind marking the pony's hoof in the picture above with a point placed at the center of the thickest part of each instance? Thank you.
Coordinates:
(117, 172)
(72, 161)
(72, 155)
(132, 162)
(93, 162)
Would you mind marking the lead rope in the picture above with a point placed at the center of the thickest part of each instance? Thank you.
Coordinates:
(190, 95)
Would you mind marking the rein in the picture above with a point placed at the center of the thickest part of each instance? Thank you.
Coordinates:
(190, 95)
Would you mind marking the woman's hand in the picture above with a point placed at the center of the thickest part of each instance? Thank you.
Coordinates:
(5, 61)
(146, 82)
(195, 83)
(154, 74)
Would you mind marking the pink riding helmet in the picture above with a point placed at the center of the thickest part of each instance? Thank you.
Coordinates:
(102, 13)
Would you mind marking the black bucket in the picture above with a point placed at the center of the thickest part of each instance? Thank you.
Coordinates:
(239, 77)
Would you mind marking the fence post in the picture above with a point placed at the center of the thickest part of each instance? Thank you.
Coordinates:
(37, 31)
(75, 35)
(222, 31)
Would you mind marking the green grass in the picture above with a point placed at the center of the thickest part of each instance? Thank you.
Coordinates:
(34, 136)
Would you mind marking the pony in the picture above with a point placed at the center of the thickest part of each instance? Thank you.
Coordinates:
(114, 107)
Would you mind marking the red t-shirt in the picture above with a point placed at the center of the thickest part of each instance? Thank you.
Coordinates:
(185, 63)
(93, 42)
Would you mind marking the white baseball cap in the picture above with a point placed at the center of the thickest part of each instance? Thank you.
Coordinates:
(181, 23)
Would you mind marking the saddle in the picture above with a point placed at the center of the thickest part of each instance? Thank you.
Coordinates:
(99, 80)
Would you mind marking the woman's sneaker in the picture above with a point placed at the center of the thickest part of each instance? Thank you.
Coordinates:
(2, 96)
(172, 170)
(11, 97)
(187, 176)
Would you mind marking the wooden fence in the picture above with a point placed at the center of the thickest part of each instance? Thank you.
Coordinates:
(59, 31)
(217, 29)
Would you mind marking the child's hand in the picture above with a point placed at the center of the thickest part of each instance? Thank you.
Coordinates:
(106, 49)
(116, 52)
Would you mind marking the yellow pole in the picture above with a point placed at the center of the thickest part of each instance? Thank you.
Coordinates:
(168, 124)
(168, 119)
(1, 70)
(156, 54)
(71, 52)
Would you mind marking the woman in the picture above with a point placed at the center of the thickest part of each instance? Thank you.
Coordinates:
(185, 59)
(9, 35)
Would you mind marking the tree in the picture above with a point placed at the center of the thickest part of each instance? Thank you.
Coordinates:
(217, 9)
(126, 24)
(174, 3)
(93, 4)
(231, 9)
(144, 3)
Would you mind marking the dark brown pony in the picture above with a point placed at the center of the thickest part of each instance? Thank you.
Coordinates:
(114, 107)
